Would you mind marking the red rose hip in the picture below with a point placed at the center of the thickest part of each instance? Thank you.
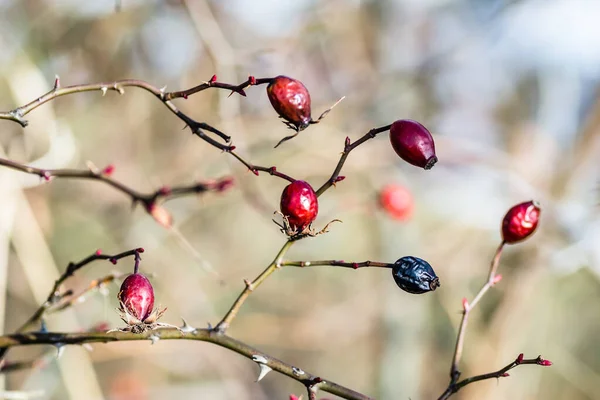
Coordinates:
(299, 205)
(290, 98)
(397, 201)
(520, 221)
(137, 296)
(413, 143)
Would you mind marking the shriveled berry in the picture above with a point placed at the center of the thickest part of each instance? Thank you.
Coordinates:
(137, 296)
(299, 205)
(290, 98)
(520, 221)
(413, 143)
(397, 201)
(414, 275)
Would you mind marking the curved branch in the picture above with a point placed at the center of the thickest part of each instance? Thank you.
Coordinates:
(501, 373)
(205, 335)
(146, 199)
(18, 114)
(348, 147)
(54, 297)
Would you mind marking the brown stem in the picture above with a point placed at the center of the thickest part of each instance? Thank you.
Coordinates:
(146, 199)
(54, 297)
(250, 286)
(18, 114)
(212, 83)
(501, 373)
(467, 307)
(335, 263)
(206, 335)
(78, 297)
(348, 147)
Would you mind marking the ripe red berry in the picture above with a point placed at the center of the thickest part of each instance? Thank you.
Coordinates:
(413, 143)
(299, 205)
(397, 201)
(290, 98)
(520, 221)
(137, 296)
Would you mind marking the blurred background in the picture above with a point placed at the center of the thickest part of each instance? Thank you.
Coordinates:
(509, 90)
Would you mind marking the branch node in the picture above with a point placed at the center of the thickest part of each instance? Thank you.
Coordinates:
(297, 371)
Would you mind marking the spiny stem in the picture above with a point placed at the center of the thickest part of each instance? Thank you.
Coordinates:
(206, 335)
(250, 286)
(348, 147)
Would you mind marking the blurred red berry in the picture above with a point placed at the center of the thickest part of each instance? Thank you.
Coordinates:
(520, 221)
(290, 98)
(299, 205)
(137, 296)
(413, 143)
(397, 201)
(126, 385)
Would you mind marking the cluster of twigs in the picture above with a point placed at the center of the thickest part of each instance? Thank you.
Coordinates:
(59, 300)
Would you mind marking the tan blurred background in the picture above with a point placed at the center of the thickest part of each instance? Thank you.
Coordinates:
(509, 89)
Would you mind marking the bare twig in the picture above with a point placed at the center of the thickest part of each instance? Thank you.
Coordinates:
(348, 147)
(206, 335)
(501, 373)
(467, 307)
(55, 297)
(455, 385)
(148, 200)
(212, 83)
(250, 286)
(79, 297)
(336, 263)
(198, 128)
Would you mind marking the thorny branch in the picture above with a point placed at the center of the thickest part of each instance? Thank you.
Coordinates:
(455, 385)
(206, 335)
(348, 147)
(148, 200)
(278, 260)
(55, 297)
(501, 373)
(198, 128)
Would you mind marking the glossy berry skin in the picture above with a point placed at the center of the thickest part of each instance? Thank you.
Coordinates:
(397, 201)
(413, 143)
(520, 221)
(299, 204)
(414, 275)
(290, 98)
(137, 296)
